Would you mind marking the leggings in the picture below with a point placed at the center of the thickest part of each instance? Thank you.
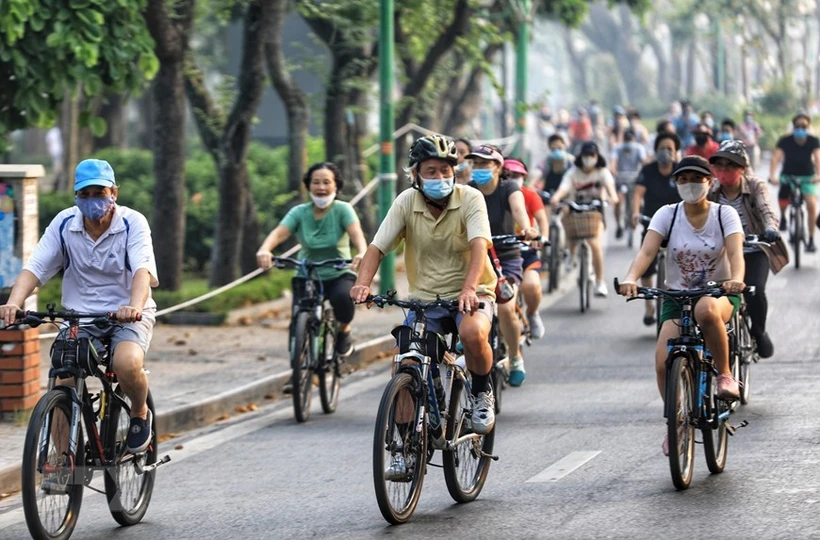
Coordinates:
(757, 306)
(337, 291)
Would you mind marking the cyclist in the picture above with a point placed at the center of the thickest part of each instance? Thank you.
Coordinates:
(750, 197)
(516, 172)
(552, 170)
(654, 189)
(107, 258)
(704, 145)
(325, 228)
(626, 160)
(750, 133)
(685, 123)
(446, 233)
(618, 125)
(705, 243)
(506, 209)
(463, 146)
(800, 155)
(636, 124)
(727, 130)
(589, 179)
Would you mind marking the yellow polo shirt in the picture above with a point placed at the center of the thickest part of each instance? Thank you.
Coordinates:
(437, 251)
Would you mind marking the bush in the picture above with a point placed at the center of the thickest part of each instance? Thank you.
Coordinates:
(780, 99)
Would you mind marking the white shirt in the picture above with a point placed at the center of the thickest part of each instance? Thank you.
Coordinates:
(696, 256)
(597, 184)
(96, 277)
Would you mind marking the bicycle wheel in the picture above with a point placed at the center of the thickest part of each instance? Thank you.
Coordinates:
(555, 258)
(747, 355)
(497, 378)
(628, 228)
(52, 481)
(797, 234)
(328, 369)
(302, 366)
(679, 412)
(583, 278)
(661, 278)
(466, 466)
(397, 446)
(715, 441)
(127, 491)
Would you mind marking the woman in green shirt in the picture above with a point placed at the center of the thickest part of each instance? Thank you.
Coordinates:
(325, 228)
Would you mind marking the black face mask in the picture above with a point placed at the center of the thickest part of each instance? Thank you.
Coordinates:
(701, 138)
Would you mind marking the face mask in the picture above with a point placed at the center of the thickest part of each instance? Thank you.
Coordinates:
(589, 161)
(799, 133)
(701, 138)
(437, 189)
(517, 181)
(729, 177)
(461, 167)
(725, 136)
(693, 193)
(710, 122)
(323, 202)
(95, 208)
(481, 177)
(665, 157)
(557, 155)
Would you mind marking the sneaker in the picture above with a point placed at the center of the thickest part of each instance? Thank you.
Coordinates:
(287, 388)
(727, 387)
(483, 419)
(517, 372)
(783, 224)
(619, 232)
(601, 290)
(536, 325)
(649, 320)
(139, 434)
(397, 471)
(810, 247)
(765, 347)
(344, 347)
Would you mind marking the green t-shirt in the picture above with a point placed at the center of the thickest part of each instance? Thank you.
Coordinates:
(325, 238)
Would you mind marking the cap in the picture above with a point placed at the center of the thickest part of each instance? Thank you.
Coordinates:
(589, 148)
(516, 166)
(693, 163)
(486, 151)
(93, 172)
(734, 151)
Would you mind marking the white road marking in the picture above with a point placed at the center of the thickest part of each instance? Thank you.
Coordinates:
(563, 467)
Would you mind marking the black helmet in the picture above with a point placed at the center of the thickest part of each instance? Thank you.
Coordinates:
(433, 147)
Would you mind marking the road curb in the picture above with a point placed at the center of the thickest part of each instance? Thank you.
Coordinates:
(209, 410)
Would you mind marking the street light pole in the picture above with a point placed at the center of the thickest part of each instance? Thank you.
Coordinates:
(387, 161)
(521, 46)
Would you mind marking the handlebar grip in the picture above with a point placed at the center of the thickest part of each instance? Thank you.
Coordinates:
(617, 284)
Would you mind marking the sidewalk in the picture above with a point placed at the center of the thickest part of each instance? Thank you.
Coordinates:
(201, 374)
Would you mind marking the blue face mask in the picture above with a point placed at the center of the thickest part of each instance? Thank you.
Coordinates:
(725, 136)
(95, 208)
(557, 155)
(799, 133)
(481, 177)
(437, 188)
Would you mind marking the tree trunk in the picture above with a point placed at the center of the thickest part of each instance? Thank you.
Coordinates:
(145, 119)
(71, 135)
(335, 127)
(663, 78)
(578, 61)
(251, 236)
(691, 62)
(233, 191)
(112, 110)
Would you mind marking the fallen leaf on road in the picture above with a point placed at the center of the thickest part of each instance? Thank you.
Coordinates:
(223, 417)
(245, 320)
(261, 358)
(270, 396)
(242, 409)
(187, 334)
(178, 447)
(180, 342)
(166, 437)
(192, 352)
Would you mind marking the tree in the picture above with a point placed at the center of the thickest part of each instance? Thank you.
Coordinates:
(170, 24)
(51, 47)
(226, 137)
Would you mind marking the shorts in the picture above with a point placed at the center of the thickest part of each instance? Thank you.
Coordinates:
(531, 259)
(139, 332)
(441, 321)
(513, 270)
(671, 310)
(807, 186)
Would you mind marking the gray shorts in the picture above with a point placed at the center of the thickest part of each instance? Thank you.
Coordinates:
(441, 321)
(139, 332)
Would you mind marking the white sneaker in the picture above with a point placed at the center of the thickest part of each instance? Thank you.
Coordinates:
(601, 290)
(397, 471)
(536, 325)
(483, 412)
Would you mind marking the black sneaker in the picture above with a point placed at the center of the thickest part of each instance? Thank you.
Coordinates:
(810, 247)
(139, 434)
(344, 347)
(783, 224)
(765, 347)
(619, 232)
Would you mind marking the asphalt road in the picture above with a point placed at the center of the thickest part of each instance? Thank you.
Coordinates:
(589, 400)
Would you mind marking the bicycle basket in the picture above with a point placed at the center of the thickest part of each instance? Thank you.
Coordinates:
(582, 225)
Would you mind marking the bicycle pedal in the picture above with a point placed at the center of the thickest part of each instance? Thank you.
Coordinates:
(150, 468)
(485, 454)
(731, 430)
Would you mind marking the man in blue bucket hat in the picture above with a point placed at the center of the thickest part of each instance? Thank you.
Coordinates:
(107, 258)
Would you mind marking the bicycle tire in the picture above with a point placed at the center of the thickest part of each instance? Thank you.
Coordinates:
(797, 237)
(554, 259)
(583, 278)
(301, 363)
(498, 376)
(402, 384)
(681, 432)
(747, 354)
(478, 449)
(328, 371)
(715, 441)
(114, 436)
(33, 482)
(497, 380)
(661, 278)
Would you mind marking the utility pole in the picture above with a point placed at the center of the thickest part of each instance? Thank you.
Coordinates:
(387, 162)
(522, 14)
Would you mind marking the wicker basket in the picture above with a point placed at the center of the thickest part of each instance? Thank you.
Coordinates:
(582, 225)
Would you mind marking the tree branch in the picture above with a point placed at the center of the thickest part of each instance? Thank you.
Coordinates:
(170, 36)
(410, 67)
(287, 88)
(321, 26)
(207, 115)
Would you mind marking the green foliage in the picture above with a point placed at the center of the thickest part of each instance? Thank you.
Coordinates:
(773, 126)
(572, 12)
(780, 98)
(49, 47)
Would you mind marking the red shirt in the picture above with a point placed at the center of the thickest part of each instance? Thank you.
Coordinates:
(533, 203)
(703, 151)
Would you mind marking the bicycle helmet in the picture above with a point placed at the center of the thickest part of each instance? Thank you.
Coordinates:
(433, 147)
(618, 110)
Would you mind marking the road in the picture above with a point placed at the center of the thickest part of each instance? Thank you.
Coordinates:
(590, 389)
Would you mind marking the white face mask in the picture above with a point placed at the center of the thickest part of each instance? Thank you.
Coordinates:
(589, 161)
(517, 181)
(323, 202)
(693, 193)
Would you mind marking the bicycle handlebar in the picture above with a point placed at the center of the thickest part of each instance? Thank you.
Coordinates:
(36, 318)
(651, 293)
(413, 305)
(517, 239)
(284, 262)
(584, 207)
(754, 240)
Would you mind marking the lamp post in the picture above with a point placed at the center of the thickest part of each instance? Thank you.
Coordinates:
(522, 41)
(387, 162)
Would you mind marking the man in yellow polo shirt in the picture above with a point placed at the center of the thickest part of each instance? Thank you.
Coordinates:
(447, 233)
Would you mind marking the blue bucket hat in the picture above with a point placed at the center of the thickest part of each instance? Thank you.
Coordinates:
(93, 172)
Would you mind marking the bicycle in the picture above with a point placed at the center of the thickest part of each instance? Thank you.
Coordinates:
(554, 255)
(690, 397)
(660, 274)
(581, 225)
(313, 341)
(797, 217)
(57, 463)
(626, 186)
(419, 414)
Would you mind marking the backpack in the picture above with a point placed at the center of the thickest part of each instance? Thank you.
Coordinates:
(67, 259)
(665, 241)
